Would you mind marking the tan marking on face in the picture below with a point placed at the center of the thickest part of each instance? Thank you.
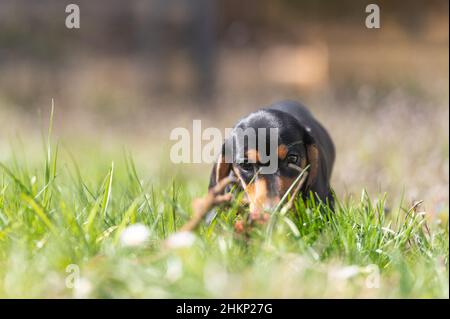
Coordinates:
(313, 157)
(222, 169)
(303, 162)
(285, 183)
(257, 193)
(282, 151)
(238, 174)
(253, 156)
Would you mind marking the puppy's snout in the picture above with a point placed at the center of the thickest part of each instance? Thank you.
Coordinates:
(263, 195)
(264, 204)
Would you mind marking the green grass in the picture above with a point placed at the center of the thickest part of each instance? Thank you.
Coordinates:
(63, 212)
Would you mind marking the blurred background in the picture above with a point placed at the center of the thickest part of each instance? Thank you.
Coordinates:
(137, 69)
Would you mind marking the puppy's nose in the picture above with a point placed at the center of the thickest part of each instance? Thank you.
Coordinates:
(262, 194)
(260, 212)
(267, 204)
(271, 203)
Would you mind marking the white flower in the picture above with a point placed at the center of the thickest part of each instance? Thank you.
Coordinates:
(174, 269)
(181, 239)
(134, 235)
(215, 278)
(345, 273)
(41, 243)
(223, 246)
(82, 289)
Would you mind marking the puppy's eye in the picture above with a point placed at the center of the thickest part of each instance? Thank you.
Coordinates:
(292, 159)
(246, 167)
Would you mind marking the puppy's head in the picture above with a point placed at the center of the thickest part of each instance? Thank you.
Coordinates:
(265, 152)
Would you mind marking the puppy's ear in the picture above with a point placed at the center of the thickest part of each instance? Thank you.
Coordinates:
(312, 152)
(221, 169)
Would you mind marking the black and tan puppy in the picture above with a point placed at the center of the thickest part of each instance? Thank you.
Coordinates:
(301, 141)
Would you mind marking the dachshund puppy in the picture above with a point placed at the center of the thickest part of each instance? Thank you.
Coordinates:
(301, 142)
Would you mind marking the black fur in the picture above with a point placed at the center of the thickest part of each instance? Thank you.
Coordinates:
(297, 126)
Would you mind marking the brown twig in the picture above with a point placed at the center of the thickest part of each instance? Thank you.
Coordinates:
(201, 206)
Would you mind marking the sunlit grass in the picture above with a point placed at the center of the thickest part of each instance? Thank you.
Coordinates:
(57, 212)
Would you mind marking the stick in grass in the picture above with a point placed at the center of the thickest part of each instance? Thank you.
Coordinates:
(201, 206)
